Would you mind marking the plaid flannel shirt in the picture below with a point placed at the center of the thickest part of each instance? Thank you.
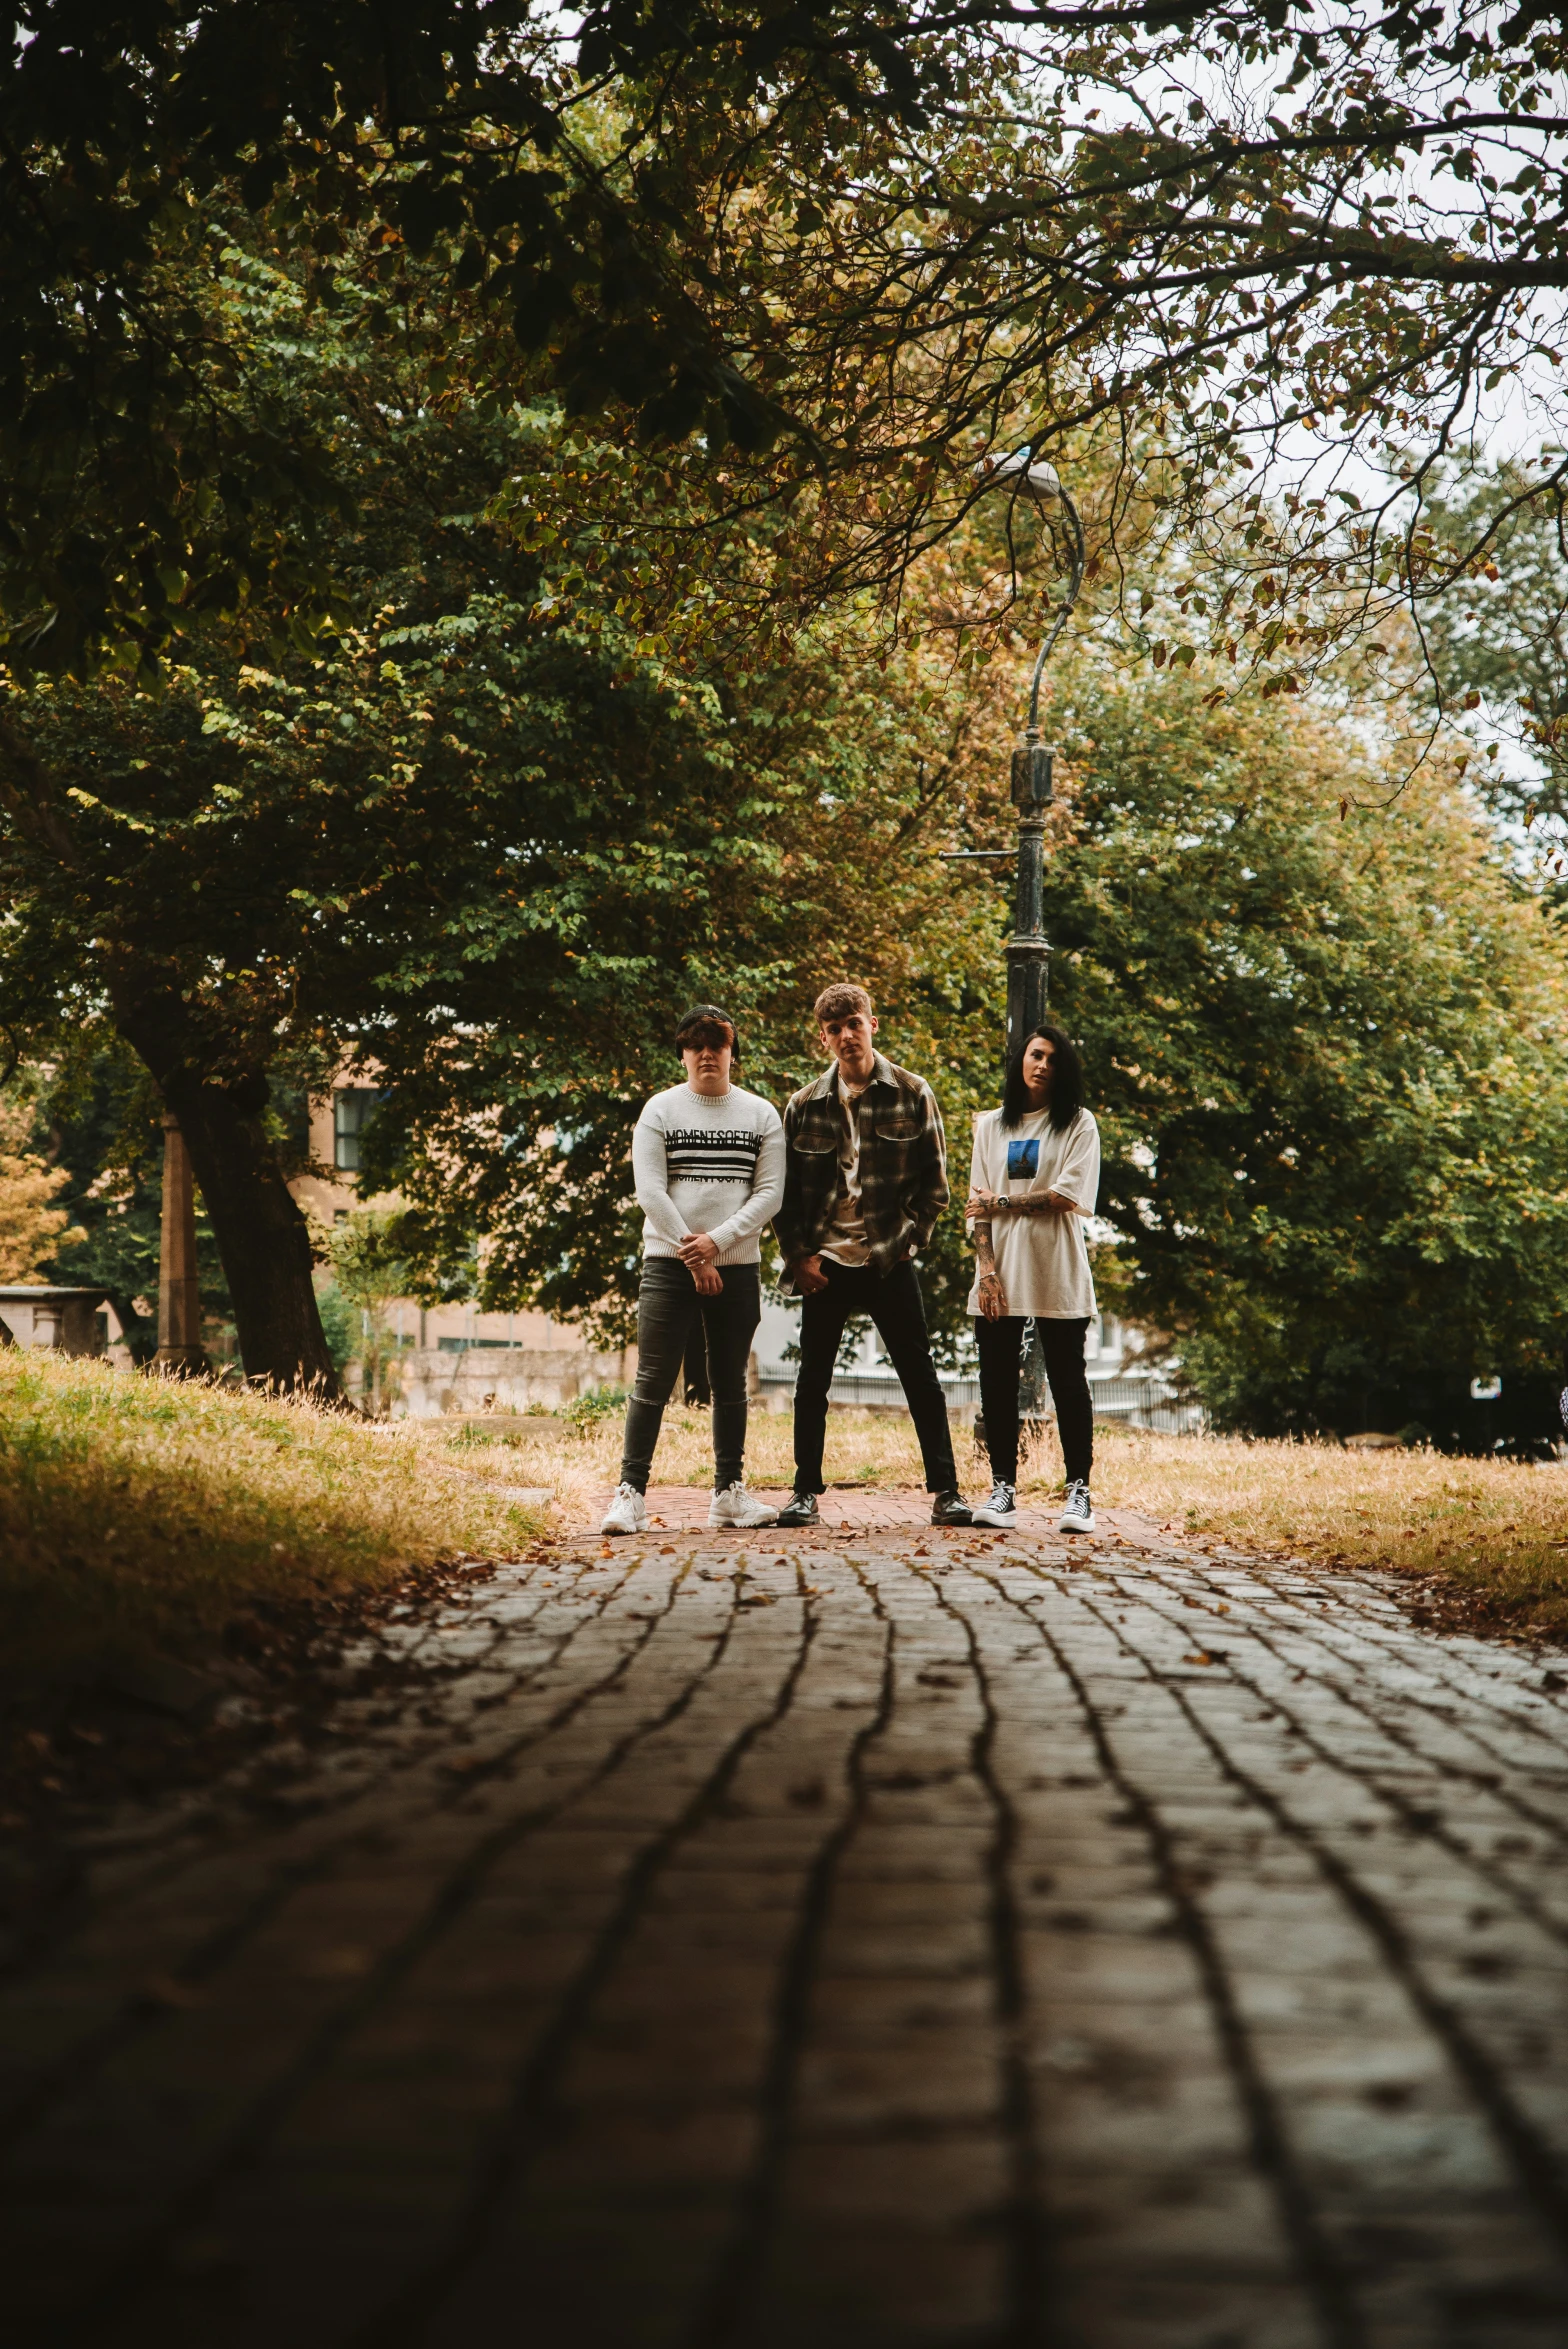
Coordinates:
(903, 1165)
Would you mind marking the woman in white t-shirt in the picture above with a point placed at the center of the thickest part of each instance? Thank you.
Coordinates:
(1033, 1181)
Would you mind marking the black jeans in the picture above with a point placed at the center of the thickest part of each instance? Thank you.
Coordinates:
(668, 1313)
(899, 1318)
(1001, 1345)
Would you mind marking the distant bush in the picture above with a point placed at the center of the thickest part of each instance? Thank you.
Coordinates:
(584, 1415)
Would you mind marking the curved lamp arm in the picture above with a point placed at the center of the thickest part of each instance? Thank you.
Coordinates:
(1042, 485)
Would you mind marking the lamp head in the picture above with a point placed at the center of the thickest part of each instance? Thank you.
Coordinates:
(1030, 477)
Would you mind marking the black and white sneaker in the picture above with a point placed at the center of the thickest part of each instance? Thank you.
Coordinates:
(800, 1509)
(951, 1509)
(1001, 1509)
(1077, 1511)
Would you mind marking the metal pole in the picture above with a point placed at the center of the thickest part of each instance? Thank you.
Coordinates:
(1028, 953)
(179, 1298)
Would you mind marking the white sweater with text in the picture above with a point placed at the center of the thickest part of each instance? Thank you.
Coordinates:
(708, 1163)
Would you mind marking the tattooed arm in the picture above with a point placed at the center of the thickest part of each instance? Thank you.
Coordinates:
(993, 1297)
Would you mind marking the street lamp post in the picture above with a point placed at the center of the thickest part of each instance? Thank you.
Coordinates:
(1028, 951)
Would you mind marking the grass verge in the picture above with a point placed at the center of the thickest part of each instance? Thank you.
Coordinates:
(142, 1513)
(1486, 1539)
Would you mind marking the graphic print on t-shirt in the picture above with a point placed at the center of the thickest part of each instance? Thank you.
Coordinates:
(1023, 1161)
(695, 1154)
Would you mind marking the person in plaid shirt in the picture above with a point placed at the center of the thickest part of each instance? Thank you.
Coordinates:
(865, 1178)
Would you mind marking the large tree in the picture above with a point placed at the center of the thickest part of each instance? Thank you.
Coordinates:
(851, 246)
(475, 835)
(216, 910)
(1324, 1038)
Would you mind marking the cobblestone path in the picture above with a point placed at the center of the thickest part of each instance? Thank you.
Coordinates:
(890, 1941)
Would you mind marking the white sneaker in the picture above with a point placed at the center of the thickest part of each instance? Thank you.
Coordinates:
(627, 1513)
(735, 1506)
(1000, 1510)
(1077, 1512)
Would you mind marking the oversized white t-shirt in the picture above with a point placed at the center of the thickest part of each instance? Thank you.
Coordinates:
(1043, 1260)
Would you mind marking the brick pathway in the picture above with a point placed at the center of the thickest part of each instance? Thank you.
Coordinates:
(890, 1941)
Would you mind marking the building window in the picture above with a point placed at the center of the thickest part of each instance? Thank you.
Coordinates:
(352, 1111)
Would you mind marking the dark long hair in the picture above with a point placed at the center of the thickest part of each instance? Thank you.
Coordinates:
(1066, 1081)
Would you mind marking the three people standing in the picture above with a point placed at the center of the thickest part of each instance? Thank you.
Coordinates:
(854, 1181)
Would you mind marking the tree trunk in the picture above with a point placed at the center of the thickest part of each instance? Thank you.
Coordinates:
(262, 1237)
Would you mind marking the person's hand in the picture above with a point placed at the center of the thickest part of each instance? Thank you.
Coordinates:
(698, 1248)
(709, 1280)
(809, 1276)
(982, 1204)
(993, 1297)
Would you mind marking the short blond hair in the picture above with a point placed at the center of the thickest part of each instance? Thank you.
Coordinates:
(838, 1001)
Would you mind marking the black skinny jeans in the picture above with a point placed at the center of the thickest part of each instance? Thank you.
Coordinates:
(898, 1315)
(1001, 1345)
(668, 1312)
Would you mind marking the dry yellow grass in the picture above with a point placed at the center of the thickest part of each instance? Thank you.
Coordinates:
(142, 1512)
(1493, 1530)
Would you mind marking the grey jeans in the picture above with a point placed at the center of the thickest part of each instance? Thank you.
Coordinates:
(667, 1307)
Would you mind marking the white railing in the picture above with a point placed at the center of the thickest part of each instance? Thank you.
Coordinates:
(1140, 1398)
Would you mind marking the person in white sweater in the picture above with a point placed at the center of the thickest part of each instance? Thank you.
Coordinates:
(708, 1161)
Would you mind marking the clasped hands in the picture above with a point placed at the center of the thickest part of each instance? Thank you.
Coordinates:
(699, 1252)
